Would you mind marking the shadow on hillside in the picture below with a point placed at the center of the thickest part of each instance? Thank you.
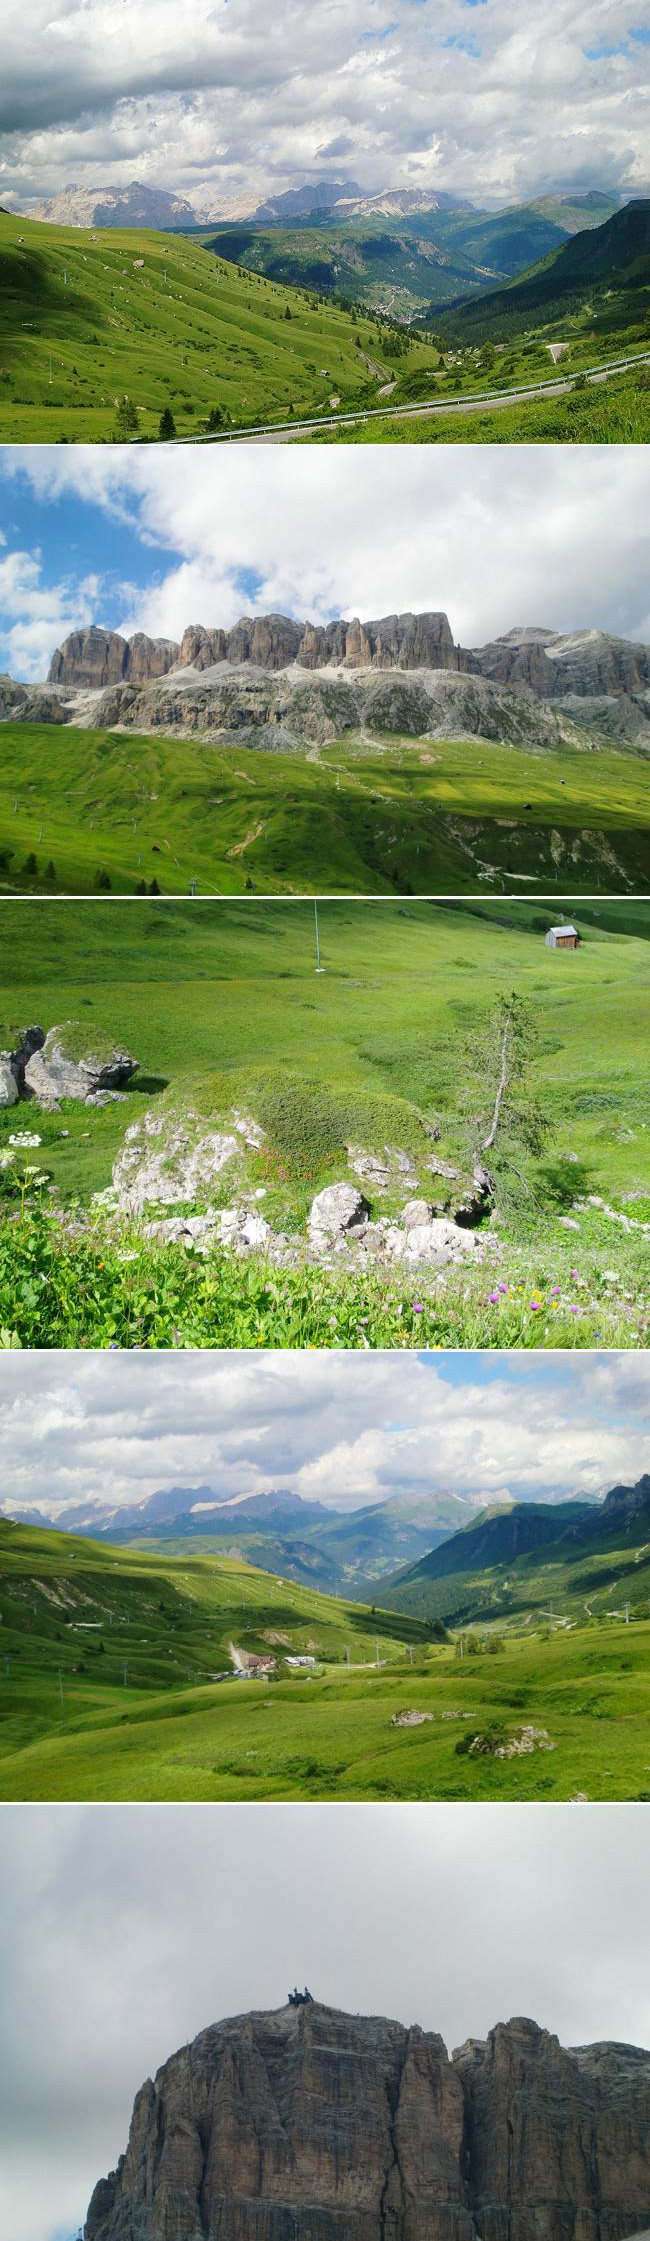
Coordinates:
(149, 1085)
(33, 299)
(564, 1180)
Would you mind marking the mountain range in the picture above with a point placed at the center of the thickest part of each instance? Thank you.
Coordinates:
(561, 1560)
(277, 1532)
(307, 2124)
(404, 250)
(286, 682)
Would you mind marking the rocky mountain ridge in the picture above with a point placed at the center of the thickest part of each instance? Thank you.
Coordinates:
(307, 2124)
(550, 663)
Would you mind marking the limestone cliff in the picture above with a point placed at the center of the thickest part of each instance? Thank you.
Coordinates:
(311, 2125)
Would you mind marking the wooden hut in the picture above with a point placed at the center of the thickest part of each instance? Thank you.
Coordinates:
(563, 936)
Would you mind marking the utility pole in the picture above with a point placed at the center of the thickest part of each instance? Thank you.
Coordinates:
(319, 968)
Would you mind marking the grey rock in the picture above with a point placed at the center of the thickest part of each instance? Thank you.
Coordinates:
(417, 1213)
(50, 1073)
(337, 1210)
(167, 1158)
(8, 1083)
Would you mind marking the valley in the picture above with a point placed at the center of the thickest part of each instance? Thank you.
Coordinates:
(102, 329)
(115, 1687)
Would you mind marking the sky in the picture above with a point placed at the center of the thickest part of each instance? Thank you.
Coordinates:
(344, 1430)
(154, 540)
(125, 1930)
(232, 98)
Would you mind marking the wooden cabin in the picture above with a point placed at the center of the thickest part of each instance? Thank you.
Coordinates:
(562, 937)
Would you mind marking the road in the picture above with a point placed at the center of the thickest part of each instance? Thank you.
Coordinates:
(286, 432)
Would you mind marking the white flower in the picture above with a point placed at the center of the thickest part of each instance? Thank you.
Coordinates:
(27, 1143)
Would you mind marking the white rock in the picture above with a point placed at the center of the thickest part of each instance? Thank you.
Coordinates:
(8, 1084)
(337, 1209)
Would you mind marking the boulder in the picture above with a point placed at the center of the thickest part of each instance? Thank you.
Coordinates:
(439, 1240)
(60, 1067)
(337, 1210)
(8, 1083)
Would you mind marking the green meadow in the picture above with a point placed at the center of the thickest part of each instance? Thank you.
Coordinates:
(108, 1690)
(87, 319)
(221, 1004)
(81, 807)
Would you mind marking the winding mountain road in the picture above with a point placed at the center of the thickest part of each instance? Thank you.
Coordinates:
(286, 432)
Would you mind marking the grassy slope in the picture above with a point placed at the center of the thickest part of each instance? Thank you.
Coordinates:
(617, 412)
(597, 280)
(192, 986)
(600, 1572)
(205, 335)
(426, 818)
(171, 1733)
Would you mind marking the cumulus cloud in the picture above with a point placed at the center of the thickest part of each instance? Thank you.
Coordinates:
(496, 536)
(125, 1930)
(232, 97)
(342, 1431)
(33, 615)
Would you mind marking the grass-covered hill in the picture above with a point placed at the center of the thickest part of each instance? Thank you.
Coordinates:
(221, 1005)
(80, 807)
(598, 282)
(89, 318)
(556, 1564)
(110, 1692)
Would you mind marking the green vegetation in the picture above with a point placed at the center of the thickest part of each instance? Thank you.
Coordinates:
(583, 1569)
(433, 816)
(596, 284)
(372, 1051)
(110, 1659)
(401, 262)
(102, 334)
(114, 335)
(617, 411)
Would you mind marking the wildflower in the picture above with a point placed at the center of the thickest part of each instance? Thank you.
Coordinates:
(494, 1297)
(416, 1309)
(502, 1288)
(536, 1306)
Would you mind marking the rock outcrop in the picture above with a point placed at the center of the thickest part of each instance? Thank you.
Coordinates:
(307, 2124)
(587, 662)
(95, 658)
(246, 707)
(64, 1063)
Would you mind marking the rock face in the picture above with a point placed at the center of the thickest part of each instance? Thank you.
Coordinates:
(310, 2125)
(100, 657)
(551, 665)
(95, 658)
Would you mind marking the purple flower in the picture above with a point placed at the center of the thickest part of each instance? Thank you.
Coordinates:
(494, 1297)
(574, 1311)
(555, 1294)
(536, 1306)
(417, 1310)
(502, 1287)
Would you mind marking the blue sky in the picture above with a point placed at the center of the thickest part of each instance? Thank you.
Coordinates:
(158, 538)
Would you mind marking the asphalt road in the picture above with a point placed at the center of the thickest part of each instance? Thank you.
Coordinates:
(287, 432)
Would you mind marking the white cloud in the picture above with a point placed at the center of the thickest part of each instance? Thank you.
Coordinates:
(229, 93)
(341, 1431)
(34, 615)
(497, 536)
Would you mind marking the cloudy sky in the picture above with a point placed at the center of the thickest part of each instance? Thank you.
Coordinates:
(344, 1430)
(154, 540)
(125, 1930)
(226, 98)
